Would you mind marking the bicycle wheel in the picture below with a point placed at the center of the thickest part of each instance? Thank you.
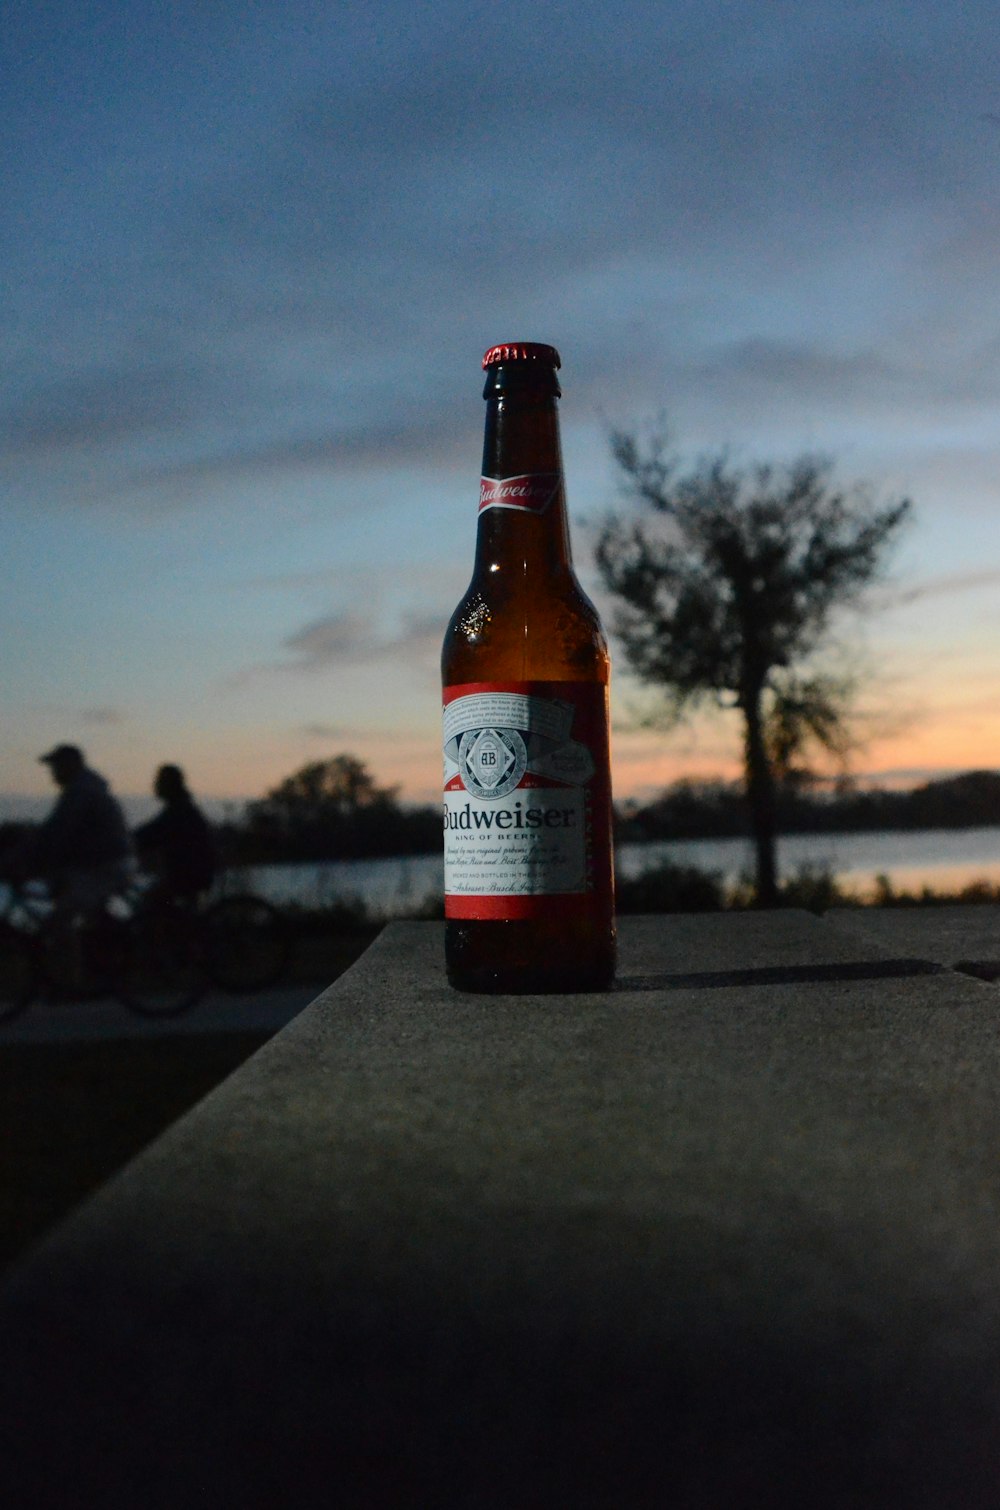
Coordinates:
(247, 944)
(18, 973)
(161, 972)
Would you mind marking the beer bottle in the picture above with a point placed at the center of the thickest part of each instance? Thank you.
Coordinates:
(529, 874)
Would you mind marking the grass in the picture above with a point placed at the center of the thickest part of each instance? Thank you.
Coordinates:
(678, 888)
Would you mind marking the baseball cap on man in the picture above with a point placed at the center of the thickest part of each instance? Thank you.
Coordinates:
(63, 755)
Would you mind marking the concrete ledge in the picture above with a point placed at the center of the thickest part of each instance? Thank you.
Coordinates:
(725, 1236)
(965, 938)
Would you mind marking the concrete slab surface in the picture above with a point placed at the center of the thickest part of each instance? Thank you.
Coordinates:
(725, 1236)
(951, 935)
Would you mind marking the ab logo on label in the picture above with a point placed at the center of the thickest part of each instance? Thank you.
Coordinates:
(491, 762)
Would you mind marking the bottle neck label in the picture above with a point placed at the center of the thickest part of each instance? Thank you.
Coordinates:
(527, 798)
(531, 492)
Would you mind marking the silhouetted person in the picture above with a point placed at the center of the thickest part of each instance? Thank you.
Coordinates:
(82, 848)
(178, 841)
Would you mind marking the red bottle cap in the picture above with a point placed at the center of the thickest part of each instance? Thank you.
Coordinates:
(521, 351)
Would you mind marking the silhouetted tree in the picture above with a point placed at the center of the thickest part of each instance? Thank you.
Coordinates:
(325, 808)
(324, 788)
(804, 711)
(730, 590)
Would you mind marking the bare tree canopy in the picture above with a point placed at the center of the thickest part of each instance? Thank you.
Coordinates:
(326, 808)
(340, 785)
(730, 588)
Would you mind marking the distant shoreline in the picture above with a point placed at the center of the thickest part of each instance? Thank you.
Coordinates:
(15, 808)
(687, 810)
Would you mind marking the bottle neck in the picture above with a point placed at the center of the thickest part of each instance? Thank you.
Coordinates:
(527, 529)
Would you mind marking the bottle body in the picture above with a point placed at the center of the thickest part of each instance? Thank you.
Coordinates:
(529, 872)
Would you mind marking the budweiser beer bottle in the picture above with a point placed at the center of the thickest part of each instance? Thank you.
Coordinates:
(529, 874)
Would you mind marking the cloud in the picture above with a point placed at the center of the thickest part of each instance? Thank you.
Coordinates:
(351, 451)
(102, 405)
(894, 382)
(103, 716)
(315, 294)
(98, 716)
(205, 434)
(947, 585)
(342, 639)
(330, 641)
(795, 364)
(434, 583)
(336, 732)
(433, 147)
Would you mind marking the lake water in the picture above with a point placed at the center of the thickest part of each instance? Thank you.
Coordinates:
(944, 859)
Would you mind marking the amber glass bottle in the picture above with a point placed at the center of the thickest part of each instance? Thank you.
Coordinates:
(529, 874)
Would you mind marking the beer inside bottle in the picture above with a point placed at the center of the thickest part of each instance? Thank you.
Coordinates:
(529, 873)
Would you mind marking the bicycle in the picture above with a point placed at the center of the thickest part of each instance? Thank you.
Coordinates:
(246, 942)
(146, 957)
(158, 956)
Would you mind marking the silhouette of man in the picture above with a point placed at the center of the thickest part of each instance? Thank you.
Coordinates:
(82, 848)
(178, 841)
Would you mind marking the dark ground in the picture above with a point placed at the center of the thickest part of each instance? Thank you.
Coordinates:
(71, 1114)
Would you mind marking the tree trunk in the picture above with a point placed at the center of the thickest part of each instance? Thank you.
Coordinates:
(760, 791)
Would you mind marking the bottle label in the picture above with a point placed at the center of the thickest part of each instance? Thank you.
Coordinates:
(527, 798)
(531, 493)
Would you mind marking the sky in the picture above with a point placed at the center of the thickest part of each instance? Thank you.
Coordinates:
(251, 256)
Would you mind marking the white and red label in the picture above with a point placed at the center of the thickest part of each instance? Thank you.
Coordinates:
(531, 493)
(526, 797)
